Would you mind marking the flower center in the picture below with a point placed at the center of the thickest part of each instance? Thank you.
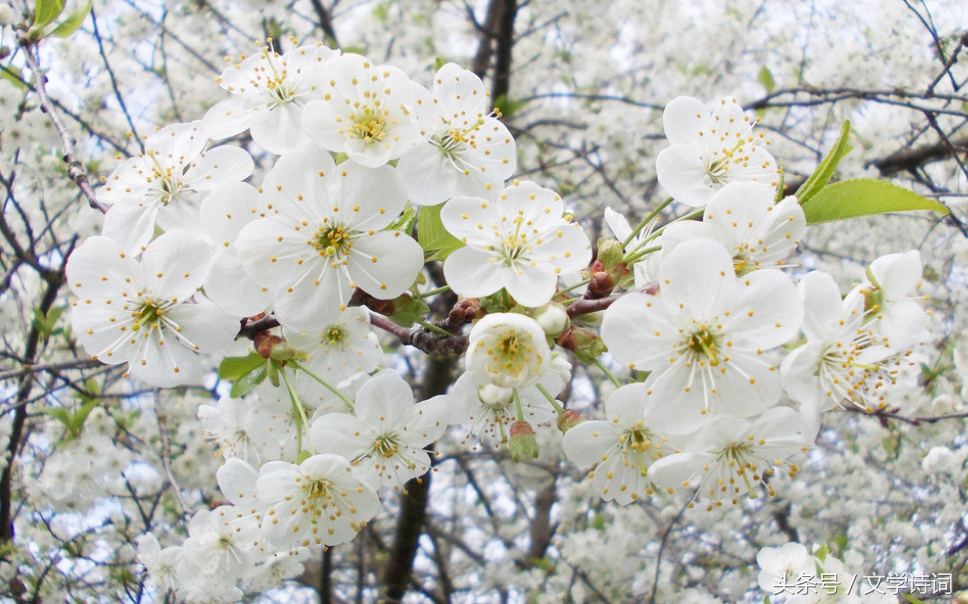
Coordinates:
(335, 336)
(514, 246)
(509, 353)
(455, 140)
(319, 489)
(149, 316)
(370, 126)
(168, 182)
(703, 345)
(386, 445)
(332, 240)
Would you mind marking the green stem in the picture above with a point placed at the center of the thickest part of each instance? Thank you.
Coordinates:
(300, 412)
(608, 373)
(435, 291)
(637, 254)
(575, 286)
(517, 405)
(325, 384)
(645, 222)
(431, 327)
(554, 403)
(691, 215)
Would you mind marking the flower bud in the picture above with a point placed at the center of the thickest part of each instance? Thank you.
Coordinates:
(567, 340)
(270, 346)
(600, 285)
(568, 419)
(522, 444)
(610, 253)
(282, 351)
(553, 319)
(588, 345)
(495, 396)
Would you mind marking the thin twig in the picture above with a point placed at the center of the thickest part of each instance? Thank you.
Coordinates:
(75, 169)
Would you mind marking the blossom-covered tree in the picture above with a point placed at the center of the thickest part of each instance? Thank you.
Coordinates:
(336, 317)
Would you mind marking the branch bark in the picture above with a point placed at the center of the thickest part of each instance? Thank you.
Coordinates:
(413, 502)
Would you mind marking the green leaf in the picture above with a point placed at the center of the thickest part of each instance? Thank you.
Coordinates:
(406, 220)
(910, 598)
(408, 310)
(46, 11)
(44, 324)
(68, 26)
(272, 370)
(821, 176)
(59, 413)
(14, 76)
(864, 197)
(765, 76)
(438, 63)
(250, 380)
(232, 368)
(436, 242)
(76, 423)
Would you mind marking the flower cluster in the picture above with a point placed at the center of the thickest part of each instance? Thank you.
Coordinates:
(372, 175)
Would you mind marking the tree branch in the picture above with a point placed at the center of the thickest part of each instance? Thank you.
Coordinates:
(75, 169)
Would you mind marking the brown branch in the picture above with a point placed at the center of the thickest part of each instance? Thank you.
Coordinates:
(888, 414)
(75, 169)
(34, 340)
(413, 501)
(325, 22)
(907, 159)
(505, 41)
(586, 306)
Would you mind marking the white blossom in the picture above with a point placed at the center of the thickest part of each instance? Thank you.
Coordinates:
(705, 338)
(463, 150)
(166, 184)
(711, 146)
(520, 241)
(367, 111)
(328, 238)
(270, 91)
(149, 313)
(386, 434)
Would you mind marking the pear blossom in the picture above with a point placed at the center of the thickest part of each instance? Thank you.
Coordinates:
(166, 184)
(732, 456)
(843, 361)
(317, 502)
(222, 543)
(888, 290)
(746, 220)
(269, 92)
(162, 564)
(705, 338)
(508, 350)
(224, 424)
(340, 349)
(622, 446)
(148, 314)
(386, 434)
(366, 111)
(520, 241)
(327, 238)
(463, 150)
(711, 146)
(488, 411)
(782, 565)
